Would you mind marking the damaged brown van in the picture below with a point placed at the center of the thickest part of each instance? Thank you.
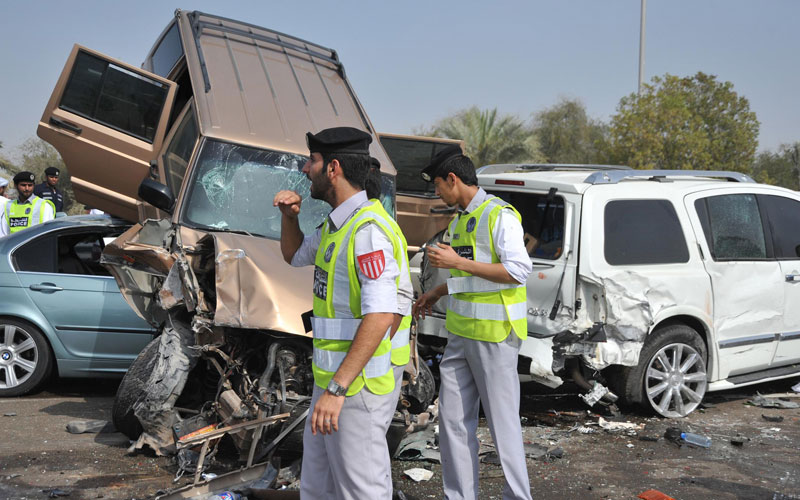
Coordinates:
(206, 132)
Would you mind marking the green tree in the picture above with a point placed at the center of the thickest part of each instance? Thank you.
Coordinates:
(36, 156)
(781, 168)
(488, 137)
(684, 123)
(566, 134)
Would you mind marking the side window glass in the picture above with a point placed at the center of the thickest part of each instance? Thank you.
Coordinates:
(115, 97)
(176, 157)
(409, 158)
(784, 221)
(36, 256)
(734, 223)
(643, 232)
(168, 52)
(542, 222)
(388, 193)
(79, 253)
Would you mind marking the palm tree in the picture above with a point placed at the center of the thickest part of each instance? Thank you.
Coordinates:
(490, 138)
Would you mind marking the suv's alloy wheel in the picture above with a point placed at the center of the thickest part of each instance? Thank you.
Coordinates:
(674, 377)
(670, 378)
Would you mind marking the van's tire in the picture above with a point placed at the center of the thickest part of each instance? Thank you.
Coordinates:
(130, 390)
(655, 385)
(26, 359)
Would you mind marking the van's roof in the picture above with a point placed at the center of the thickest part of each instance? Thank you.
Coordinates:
(258, 87)
(579, 178)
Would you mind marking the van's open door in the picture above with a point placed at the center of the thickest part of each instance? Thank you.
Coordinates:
(107, 119)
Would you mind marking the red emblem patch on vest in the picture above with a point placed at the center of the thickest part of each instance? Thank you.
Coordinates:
(372, 264)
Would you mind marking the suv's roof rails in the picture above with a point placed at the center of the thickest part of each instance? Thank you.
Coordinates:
(613, 177)
(544, 167)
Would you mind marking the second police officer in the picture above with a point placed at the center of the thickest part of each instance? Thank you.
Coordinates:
(486, 323)
(47, 190)
(360, 297)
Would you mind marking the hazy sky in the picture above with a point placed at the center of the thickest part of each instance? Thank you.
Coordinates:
(412, 63)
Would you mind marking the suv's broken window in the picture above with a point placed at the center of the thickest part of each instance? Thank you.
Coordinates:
(233, 186)
(542, 222)
(732, 226)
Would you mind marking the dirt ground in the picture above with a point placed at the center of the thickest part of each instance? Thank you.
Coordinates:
(38, 456)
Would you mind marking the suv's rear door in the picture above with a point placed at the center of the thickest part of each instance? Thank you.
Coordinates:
(783, 210)
(746, 280)
(107, 119)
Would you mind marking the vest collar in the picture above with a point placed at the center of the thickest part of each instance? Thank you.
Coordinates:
(343, 212)
(31, 199)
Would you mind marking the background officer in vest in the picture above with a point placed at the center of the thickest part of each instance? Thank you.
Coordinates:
(3, 199)
(345, 454)
(486, 321)
(26, 211)
(47, 190)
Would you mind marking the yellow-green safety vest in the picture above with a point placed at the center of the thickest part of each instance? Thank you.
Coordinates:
(337, 303)
(480, 309)
(22, 216)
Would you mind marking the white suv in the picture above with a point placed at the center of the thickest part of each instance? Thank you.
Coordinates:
(657, 285)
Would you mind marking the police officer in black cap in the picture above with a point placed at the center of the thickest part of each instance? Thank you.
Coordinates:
(486, 323)
(359, 300)
(47, 190)
(28, 209)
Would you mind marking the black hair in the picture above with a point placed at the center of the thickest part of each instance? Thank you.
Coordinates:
(354, 166)
(461, 166)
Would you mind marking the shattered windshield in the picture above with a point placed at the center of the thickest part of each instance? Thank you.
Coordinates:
(233, 187)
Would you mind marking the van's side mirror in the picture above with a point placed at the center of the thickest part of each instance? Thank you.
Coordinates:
(157, 194)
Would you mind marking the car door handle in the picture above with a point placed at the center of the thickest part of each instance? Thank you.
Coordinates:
(793, 278)
(46, 287)
(62, 124)
(443, 210)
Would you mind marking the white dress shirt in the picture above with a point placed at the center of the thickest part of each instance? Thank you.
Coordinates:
(379, 295)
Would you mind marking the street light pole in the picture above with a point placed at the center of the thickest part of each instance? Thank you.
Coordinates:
(641, 45)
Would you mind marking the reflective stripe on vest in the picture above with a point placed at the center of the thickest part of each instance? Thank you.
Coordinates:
(475, 284)
(494, 312)
(478, 308)
(16, 217)
(337, 306)
(401, 347)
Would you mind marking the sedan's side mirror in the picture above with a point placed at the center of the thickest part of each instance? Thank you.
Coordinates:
(157, 194)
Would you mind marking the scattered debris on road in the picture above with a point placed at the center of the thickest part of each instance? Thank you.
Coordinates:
(772, 402)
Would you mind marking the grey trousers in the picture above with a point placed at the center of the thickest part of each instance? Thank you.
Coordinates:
(474, 372)
(354, 462)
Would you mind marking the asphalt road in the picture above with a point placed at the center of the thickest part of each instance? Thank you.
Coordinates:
(38, 455)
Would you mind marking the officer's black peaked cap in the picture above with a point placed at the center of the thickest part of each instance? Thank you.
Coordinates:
(23, 177)
(428, 173)
(339, 140)
(51, 171)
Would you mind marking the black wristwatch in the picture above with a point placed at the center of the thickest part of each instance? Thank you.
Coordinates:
(336, 389)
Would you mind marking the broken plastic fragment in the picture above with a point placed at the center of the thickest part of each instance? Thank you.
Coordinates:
(619, 426)
(81, 426)
(418, 474)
